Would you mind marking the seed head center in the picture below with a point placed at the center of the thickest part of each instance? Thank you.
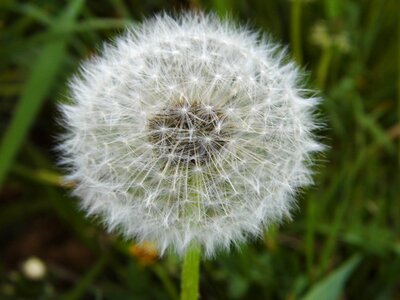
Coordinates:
(189, 133)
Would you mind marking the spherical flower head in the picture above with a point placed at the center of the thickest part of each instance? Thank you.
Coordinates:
(189, 130)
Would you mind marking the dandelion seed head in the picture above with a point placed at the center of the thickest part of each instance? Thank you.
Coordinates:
(189, 129)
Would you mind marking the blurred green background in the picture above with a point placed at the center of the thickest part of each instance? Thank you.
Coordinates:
(344, 241)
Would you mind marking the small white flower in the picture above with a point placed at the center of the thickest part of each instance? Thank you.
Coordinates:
(34, 268)
(189, 129)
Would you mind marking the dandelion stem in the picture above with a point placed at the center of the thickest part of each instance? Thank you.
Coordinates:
(296, 30)
(190, 273)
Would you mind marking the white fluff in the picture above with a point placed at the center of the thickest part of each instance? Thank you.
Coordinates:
(249, 159)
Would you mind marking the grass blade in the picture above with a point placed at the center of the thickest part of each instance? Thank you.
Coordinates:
(36, 89)
(84, 283)
(331, 287)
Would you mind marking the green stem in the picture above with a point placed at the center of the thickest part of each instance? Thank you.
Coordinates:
(40, 175)
(323, 67)
(296, 30)
(190, 274)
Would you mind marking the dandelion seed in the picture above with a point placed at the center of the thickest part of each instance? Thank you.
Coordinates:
(189, 129)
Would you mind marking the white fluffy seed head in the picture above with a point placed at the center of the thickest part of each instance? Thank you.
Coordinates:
(189, 129)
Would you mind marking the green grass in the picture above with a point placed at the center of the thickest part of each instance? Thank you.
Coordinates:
(344, 239)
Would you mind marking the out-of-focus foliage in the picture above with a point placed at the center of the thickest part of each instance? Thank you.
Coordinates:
(344, 240)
